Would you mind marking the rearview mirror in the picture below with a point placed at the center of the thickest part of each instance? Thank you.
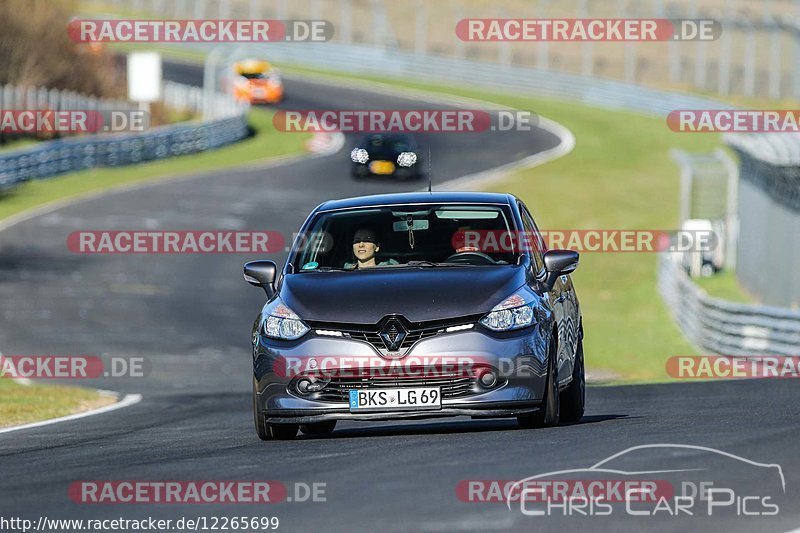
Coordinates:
(261, 274)
(559, 263)
(417, 224)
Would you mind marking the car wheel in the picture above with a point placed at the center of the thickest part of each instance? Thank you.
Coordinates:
(282, 431)
(318, 428)
(258, 416)
(548, 413)
(573, 398)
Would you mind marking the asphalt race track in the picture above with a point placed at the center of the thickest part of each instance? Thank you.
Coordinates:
(190, 317)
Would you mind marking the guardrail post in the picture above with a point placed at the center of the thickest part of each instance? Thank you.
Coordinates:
(685, 202)
(255, 10)
(750, 61)
(587, 48)
(209, 81)
(200, 9)
(794, 33)
(421, 28)
(345, 29)
(725, 44)
(732, 214)
(775, 56)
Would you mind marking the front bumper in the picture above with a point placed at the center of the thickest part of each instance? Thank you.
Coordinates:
(520, 358)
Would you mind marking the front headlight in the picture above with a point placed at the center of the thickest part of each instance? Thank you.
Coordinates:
(359, 155)
(406, 159)
(515, 312)
(283, 323)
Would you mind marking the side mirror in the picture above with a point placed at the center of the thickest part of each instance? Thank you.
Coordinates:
(261, 274)
(558, 263)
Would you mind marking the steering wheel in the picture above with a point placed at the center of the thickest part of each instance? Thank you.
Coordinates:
(470, 257)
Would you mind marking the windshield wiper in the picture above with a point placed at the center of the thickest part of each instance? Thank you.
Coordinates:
(328, 269)
(433, 264)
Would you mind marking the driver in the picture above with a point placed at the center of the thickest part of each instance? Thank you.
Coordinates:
(460, 241)
(365, 247)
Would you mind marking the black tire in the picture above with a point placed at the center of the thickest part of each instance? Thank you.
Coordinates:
(548, 413)
(573, 398)
(282, 431)
(258, 416)
(318, 428)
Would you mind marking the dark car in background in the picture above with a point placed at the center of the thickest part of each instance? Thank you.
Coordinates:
(387, 154)
(381, 279)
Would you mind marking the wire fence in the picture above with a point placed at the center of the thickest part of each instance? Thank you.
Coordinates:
(769, 216)
(723, 327)
(756, 54)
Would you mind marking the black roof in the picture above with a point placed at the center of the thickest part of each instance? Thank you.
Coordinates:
(418, 198)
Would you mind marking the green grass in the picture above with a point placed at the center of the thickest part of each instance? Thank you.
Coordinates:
(725, 285)
(267, 143)
(16, 144)
(21, 404)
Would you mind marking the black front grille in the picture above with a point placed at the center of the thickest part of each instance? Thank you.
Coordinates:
(408, 342)
(452, 386)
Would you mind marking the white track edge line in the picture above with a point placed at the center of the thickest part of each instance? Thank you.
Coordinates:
(127, 401)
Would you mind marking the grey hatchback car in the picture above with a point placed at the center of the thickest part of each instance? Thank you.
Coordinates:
(417, 305)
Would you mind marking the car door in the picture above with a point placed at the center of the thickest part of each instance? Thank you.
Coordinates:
(563, 301)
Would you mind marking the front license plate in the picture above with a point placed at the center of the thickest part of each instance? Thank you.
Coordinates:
(381, 167)
(395, 399)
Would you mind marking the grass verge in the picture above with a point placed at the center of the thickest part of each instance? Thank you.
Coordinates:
(22, 404)
(725, 285)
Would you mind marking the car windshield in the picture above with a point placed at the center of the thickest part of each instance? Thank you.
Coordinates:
(411, 236)
(253, 75)
(398, 144)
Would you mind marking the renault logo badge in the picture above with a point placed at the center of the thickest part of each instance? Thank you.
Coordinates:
(393, 334)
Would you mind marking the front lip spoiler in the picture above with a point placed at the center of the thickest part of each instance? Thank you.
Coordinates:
(304, 416)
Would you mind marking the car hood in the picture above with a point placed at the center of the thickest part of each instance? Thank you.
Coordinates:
(419, 294)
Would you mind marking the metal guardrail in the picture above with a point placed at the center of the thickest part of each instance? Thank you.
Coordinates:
(590, 90)
(59, 156)
(42, 98)
(723, 327)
